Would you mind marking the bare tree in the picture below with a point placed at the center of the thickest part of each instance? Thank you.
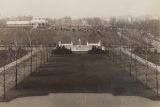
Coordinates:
(147, 68)
(16, 57)
(135, 66)
(31, 50)
(130, 66)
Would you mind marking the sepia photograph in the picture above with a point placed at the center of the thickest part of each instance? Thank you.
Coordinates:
(79, 53)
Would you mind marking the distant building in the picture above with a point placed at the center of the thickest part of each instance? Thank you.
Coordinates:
(18, 24)
(154, 18)
(84, 23)
(129, 19)
(34, 23)
(69, 44)
(67, 21)
(81, 47)
(94, 44)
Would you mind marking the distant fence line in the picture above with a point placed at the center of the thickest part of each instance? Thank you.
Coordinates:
(143, 61)
(20, 60)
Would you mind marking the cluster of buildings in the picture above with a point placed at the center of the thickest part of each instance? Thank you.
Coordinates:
(132, 19)
(68, 23)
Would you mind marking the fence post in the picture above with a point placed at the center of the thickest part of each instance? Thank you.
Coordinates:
(136, 67)
(157, 81)
(113, 53)
(130, 68)
(24, 66)
(4, 83)
(120, 50)
(47, 55)
(31, 62)
(146, 79)
(124, 63)
(16, 79)
(115, 56)
(41, 55)
(120, 57)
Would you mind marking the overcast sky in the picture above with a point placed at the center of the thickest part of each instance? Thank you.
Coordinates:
(79, 8)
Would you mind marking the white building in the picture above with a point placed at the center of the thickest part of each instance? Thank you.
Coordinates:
(81, 47)
(94, 44)
(34, 23)
(18, 23)
(69, 44)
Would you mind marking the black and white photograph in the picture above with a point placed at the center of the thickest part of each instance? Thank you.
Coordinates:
(79, 53)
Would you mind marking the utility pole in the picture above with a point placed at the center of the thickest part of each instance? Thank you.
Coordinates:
(4, 82)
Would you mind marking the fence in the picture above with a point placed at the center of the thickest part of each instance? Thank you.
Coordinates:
(140, 69)
(17, 71)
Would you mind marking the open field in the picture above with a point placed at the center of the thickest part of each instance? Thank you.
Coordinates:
(47, 36)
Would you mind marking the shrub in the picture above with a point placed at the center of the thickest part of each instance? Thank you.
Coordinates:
(97, 50)
(61, 50)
